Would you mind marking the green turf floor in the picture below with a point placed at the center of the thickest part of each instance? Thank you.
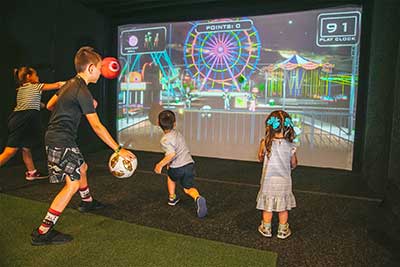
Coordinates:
(100, 241)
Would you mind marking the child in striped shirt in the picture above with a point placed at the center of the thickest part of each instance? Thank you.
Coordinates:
(24, 125)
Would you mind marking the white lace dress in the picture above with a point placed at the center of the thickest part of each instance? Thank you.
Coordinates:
(276, 182)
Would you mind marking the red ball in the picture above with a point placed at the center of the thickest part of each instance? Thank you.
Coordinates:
(110, 68)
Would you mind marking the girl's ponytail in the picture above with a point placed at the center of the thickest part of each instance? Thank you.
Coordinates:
(16, 71)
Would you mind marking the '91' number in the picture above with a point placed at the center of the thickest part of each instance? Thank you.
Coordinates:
(332, 27)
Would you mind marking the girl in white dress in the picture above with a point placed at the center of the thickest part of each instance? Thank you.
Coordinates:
(279, 155)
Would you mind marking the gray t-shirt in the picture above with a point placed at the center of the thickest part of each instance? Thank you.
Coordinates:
(174, 142)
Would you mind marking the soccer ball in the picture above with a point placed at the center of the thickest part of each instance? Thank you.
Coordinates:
(120, 167)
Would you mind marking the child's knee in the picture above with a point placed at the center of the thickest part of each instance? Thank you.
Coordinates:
(72, 186)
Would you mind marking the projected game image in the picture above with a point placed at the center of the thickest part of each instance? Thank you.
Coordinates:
(222, 77)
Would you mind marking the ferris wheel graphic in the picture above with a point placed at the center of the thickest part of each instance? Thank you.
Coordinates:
(222, 54)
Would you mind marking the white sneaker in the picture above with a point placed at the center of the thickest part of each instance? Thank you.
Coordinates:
(265, 231)
(35, 176)
(284, 231)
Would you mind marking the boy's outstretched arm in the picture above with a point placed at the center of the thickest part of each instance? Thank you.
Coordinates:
(167, 159)
(105, 136)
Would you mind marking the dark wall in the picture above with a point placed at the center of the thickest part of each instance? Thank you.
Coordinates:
(46, 35)
(380, 108)
(381, 112)
(381, 146)
(392, 189)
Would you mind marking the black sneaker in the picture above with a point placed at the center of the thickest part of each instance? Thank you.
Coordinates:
(52, 237)
(173, 202)
(86, 206)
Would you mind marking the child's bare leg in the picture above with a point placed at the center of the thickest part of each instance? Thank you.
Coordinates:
(7, 154)
(27, 157)
(265, 226)
(56, 208)
(283, 229)
(171, 188)
(83, 180)
(172, 198)
(192, 192)
(64, 196)
(266, 216)
(83, 184)
(283, 217)
(88, 203)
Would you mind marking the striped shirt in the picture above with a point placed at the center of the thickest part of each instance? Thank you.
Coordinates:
(28, 96)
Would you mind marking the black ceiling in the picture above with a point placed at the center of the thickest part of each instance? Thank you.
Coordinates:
(204, 8)
(115, 8)
(154, 10)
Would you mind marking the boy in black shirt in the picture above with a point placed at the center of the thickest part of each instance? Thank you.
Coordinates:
(65, 162)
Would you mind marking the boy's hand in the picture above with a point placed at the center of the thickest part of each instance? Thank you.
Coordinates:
(158, 168)
(126, 154)
(94, 103)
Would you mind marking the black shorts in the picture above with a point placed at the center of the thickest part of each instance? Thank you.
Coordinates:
(24, 128)
(184, 175)
(62, 162)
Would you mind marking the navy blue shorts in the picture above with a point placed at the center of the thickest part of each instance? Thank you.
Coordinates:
(184, 175)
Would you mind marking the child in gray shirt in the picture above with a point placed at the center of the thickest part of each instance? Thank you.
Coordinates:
(179, 163)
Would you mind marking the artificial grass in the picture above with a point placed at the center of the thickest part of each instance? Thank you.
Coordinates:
(101, 241)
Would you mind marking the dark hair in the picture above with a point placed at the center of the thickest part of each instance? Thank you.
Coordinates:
(271, 131)
(166, 120)
(21, 74)
(85, 56)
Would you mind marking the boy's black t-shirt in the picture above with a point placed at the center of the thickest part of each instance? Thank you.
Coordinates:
(74, 100)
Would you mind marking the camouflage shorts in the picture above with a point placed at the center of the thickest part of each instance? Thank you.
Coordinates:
(62, 162)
